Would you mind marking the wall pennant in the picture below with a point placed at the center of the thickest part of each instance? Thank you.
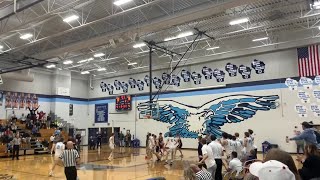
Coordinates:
(207, 72)
(140, 85)
(124, 87)
(292, 84)
(103, 86)
(157, 82)
(196, 77)
(301, 110)
(258, 66)
(147, 80)
(110, 89)
(231, 69)
(132, 83)
(245, 71)
(186, 75)
(219, 75)
(304, 96)
(166, 78)
(315, 108)
(117, 85)
(306, 82)
(175, 80)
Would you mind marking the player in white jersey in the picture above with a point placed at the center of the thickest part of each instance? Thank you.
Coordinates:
(171, 144)
(111, 145)
(238, 147)
(237, 135)
(252, 138)
(59, 148)
(247, 143)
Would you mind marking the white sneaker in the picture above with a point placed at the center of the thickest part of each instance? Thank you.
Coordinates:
(51, 173)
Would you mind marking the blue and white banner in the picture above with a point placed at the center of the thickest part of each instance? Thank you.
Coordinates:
(101, 113)
(258, 66)
(245, 71)
(219, 75)
(231, 69)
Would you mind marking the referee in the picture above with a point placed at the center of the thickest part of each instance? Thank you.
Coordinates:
(70, 158)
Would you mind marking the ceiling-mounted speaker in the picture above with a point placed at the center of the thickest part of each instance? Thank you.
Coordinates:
(113, 43)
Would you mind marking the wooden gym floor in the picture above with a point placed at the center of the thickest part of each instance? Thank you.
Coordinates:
(128, 164)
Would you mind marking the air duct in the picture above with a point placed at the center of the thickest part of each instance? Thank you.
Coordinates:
(19, 76)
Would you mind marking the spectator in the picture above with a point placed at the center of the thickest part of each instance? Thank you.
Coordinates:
(92, 143)
(235, 165)
(217, 151)
(121, 138)
(271, 170)
(48, 121)
(195, 172)
(311, 163)
(16, 145)
(200, 152)
(299, 143)
(283, 157)
(208, 157)
(128, 139)
(99, 139)
(307, 135)
(23, 118)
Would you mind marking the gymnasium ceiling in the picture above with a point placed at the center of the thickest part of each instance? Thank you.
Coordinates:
(103, 27)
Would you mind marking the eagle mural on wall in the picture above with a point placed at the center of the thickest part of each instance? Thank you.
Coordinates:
(189, 120)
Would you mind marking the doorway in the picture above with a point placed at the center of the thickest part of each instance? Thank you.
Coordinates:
(92, 132)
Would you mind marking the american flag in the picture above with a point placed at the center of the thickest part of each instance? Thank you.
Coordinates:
(308, 61)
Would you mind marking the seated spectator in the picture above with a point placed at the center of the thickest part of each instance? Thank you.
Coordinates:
(250, 158)
(283, 157)
(194, 172)
(311, 163)
(23, 118)
(235, 165)
(271, 170)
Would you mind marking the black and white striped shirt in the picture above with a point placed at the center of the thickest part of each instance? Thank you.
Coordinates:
(203, 175)
(69, 157)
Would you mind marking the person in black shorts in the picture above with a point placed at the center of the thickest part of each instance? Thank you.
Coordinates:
(157, 148)
(161, 143)
(179, 145)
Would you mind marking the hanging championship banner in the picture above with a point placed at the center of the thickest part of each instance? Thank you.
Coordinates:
(103, 86)
(166, 78)
(157, 82)
(292, 84)
(301, 110)
(186, 75)
(304, 96)
(101, 113)
(231, 69)
(316, 94)
(175, 80)
(117, 84)
(258, 66)
(196, 77)
(147, 80)
(140, 85)
(132, 83)
(110, 89)
(306, 82)
(124, 87)
(315, 108)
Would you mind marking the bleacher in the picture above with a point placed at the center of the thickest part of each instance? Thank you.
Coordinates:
(33, 148)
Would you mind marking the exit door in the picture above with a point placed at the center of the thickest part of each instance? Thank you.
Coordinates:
(92, 132)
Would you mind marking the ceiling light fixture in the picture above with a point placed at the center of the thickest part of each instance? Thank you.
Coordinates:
(70, 18)
(101, 69)
(121, 2)
(1, 47)
(181, 35)
(85, 72)
(260, 39)
(98, 55)
(139, 45)
(108, 59)
(26, 36)
(133, 63)
(68, 62)
(315, 5)
(86, 60)
(51, 66)
(212, 48)
(239, 21)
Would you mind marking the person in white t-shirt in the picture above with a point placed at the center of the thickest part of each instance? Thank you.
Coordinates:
(238, 147)
(59, 148)
(217, 151)
(171, 144)
(237, 135)
(247, 143)
(235, 164)
(207, 157)
(111, 145)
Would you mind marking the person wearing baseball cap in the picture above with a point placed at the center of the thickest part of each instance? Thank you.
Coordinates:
(307, 135)
(271, 170)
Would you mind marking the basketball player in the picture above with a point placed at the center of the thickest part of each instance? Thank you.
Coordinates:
(151, 146)
(247, 143)
(238, 147)
(252, 138)
(226, 145)
(179, 146)
(59, 148)
(161, 143)
(111, 145)
(171, 144)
